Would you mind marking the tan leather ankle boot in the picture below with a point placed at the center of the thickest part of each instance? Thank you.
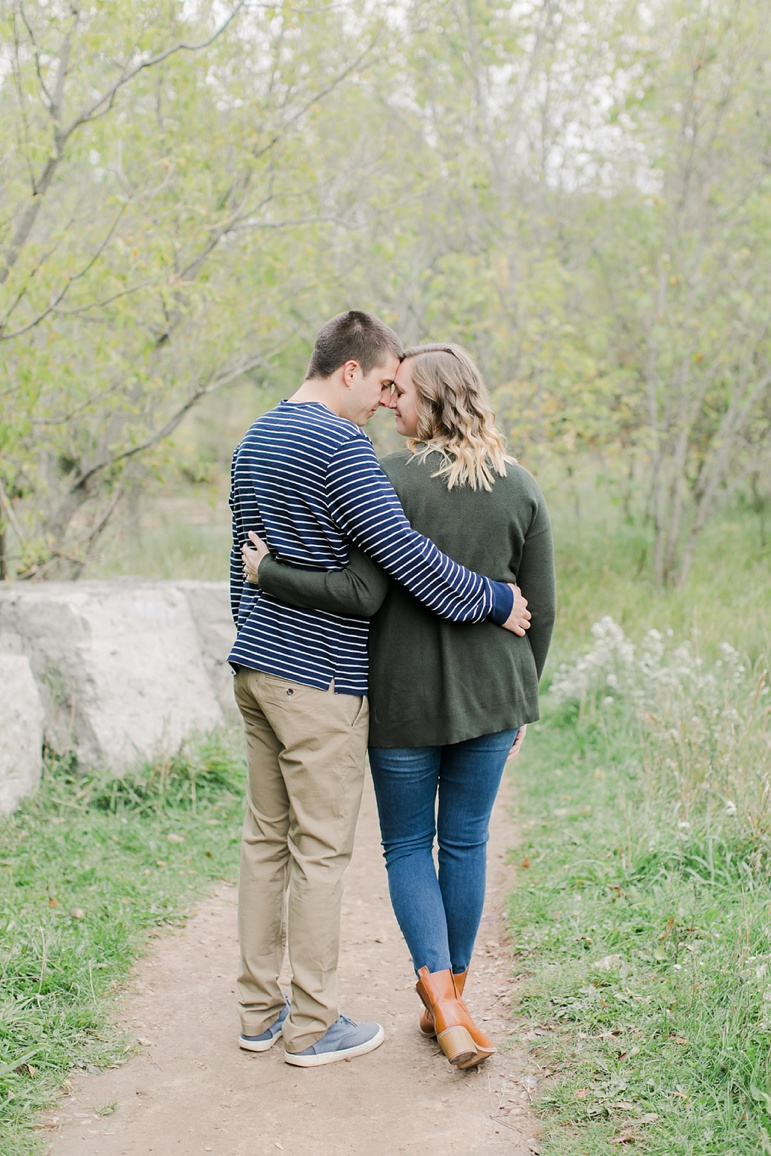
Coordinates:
(427, 1025)
(451, 1019)
(483, 1047)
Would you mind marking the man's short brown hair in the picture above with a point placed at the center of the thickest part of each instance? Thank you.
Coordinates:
(352, 336)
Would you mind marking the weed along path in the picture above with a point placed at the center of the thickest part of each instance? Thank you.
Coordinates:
(191, 1091)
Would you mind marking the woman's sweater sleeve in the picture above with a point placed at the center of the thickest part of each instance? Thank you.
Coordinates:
(359, 589)
(536, 580)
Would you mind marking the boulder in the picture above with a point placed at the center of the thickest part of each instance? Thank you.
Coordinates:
(21, 731)
(210, 607)
(121, 665)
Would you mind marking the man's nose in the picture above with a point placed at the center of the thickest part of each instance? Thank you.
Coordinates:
(388, 398)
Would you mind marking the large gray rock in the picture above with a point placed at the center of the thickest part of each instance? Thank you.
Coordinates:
(121, 666)
(210, 607)
(21, 731)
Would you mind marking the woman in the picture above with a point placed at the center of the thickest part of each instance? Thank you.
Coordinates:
(447, 701)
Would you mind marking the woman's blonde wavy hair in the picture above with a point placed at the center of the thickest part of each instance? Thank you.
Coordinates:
(454, 417)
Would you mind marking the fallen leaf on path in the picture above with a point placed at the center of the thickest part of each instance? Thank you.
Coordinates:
(623, 1138)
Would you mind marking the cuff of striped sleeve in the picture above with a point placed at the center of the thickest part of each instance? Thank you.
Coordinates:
(503, 602)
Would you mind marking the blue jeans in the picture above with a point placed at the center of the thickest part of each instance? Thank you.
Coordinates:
(438, 913)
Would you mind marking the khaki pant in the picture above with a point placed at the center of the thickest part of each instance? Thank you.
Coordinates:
(305, 750)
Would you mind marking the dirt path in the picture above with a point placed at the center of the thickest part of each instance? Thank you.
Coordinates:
(191, 1090)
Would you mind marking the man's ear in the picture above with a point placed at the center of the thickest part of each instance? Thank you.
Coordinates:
(349, 373)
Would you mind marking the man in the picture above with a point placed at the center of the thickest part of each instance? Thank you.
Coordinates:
(305, 478)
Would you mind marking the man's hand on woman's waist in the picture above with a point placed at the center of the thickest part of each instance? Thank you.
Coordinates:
(519, 619)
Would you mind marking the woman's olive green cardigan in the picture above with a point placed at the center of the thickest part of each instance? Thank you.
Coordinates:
(432, 681)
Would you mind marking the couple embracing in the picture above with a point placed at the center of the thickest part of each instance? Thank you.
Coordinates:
(378, 605)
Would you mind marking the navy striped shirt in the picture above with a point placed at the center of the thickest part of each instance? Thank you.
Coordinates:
(308, 482)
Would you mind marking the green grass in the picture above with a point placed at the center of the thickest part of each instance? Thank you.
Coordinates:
(170, 548)
(642, 921)
(644, 943)
(603, 567)
(88, 869)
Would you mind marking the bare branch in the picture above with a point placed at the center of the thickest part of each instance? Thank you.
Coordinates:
(61, 75)
(104, 103)
(61, 136)
(5, 502)
(16, 66)
(102, 304)
(69, 283)
(315, 99)
(232, 373)
(48, 100)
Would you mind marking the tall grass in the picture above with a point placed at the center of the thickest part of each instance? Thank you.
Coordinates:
(604, 567)
(643, 917)
(168, 547)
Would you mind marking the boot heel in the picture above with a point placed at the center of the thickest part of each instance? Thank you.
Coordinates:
(457, 1044)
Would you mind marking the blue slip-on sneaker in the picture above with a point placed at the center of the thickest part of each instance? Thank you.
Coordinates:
(344, 1040)
(266, 1039)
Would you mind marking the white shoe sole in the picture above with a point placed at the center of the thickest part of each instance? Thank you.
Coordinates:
(334, 1057)
(258, 1045)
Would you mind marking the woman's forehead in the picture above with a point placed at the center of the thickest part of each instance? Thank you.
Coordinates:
(404, 372)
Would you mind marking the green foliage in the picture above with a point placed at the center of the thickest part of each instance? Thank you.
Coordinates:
(150, 254)
(88, 868)
(578, 194)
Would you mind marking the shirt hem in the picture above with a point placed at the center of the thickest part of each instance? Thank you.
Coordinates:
(292, 676)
